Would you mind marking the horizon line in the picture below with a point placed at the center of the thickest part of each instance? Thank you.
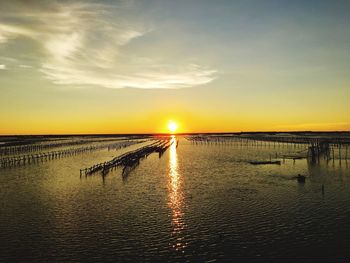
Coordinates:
(166, 133)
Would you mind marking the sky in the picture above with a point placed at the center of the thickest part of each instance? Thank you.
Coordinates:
(210, 66)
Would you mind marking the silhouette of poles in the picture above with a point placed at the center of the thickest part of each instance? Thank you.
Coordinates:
(128, 160)
(36, 147)
(46, 156)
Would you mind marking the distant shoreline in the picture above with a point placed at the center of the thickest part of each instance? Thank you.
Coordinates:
(185, 133)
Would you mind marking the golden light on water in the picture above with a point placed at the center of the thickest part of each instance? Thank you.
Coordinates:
(176, 198)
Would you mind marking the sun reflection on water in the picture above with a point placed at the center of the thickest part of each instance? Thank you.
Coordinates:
(176, 199)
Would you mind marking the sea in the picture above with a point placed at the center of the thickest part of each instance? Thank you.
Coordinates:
(198, 202)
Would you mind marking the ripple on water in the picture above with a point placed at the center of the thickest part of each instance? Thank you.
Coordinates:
(198, 202)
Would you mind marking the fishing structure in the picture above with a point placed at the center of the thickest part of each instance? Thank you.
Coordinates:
(129, 160)
(314, 148)
(20, 160)
(37, 146)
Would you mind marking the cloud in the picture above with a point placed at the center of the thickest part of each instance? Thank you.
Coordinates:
(25, 66)
(85, 43)
(7, 32)
(2, 66)
(187, 77)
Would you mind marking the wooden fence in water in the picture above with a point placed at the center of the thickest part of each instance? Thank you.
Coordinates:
(315, 146)
(44, 145)
(46, 156)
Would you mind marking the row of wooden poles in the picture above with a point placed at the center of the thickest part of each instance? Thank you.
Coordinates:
(46, 156)
(265, 139)
(35, 147)
(128, 160)
(243, 141)
(326, 151)
(314, 145)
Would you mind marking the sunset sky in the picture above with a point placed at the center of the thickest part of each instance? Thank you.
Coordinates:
(210, 66)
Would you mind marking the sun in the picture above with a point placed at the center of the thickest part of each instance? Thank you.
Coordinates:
(172, 126)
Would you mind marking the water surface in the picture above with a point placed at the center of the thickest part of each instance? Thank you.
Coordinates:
(198, 202)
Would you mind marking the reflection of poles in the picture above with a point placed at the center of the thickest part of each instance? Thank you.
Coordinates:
(318, 151)
(103, 178)
(312, 153)
(322, 189)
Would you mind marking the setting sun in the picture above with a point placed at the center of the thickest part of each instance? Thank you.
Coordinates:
(172, 126)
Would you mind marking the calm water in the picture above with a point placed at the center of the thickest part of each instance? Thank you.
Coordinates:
(198, 202)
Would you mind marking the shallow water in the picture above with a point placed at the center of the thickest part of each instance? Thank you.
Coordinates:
(198, 202)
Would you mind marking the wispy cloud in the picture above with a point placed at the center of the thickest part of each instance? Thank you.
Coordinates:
(24, 66)
(2, 66)
(85, 44)
(188, 77)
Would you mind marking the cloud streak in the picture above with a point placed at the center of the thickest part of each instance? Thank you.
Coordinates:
(84, 44)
